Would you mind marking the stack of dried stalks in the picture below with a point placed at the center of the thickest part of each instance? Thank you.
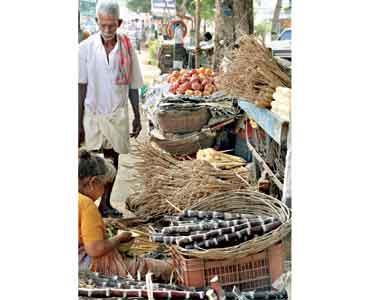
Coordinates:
(166, 185)
(253, 73)
(142, 244)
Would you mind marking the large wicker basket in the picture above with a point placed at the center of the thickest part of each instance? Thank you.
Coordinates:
(182, 120)
(243, 202)
(186, 145)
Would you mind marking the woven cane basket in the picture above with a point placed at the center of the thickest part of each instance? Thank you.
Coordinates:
(244, 202)
(182, 121)
(188, 145)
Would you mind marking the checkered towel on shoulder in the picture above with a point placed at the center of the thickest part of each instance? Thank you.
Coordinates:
(125, 65)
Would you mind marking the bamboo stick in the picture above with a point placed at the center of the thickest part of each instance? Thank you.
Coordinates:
(263, 163)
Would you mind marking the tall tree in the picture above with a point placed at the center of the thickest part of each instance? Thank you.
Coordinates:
(232, 19)
(262, 28)
(207, 8)
(139, 5)
(183, 7)
(275, 19)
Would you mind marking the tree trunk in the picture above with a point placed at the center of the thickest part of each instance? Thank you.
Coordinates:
(228, 29)
(243, 17)
(275, 19)
(197, 32)
(250, 11)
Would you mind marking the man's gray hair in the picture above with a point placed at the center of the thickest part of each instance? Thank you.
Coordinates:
(108, 7)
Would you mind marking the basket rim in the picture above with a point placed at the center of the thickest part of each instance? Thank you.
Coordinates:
(255, 245)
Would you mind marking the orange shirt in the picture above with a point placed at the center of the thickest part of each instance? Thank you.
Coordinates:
(90, 223)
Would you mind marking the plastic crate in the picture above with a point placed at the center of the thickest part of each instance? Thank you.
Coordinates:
(256, 271)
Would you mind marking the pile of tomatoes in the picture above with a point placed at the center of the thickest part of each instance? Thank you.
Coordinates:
(196, 82)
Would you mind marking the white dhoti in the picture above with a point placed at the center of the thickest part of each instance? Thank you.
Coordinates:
(107, 131)
(106, 120)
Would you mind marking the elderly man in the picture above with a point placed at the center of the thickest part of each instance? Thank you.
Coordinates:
(109, 73)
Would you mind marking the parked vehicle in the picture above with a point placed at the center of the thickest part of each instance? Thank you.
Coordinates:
(282, 46)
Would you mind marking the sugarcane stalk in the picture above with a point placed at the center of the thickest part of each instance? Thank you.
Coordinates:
(218, 237)
(168, 240)
(241, 235)
(211, 225)
(254, 229)
(127, 293)
(213, 215)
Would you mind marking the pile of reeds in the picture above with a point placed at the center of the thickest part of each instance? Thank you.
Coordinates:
(253, 73)
(141, 244)
(166, 185)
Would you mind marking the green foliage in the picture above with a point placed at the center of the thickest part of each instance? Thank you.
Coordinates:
(153, 48)
(139, 5)
(190, 6)
(262, 28)
(287, 9)
(207, 8)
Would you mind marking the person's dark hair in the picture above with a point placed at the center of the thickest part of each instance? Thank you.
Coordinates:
(207, 36)
(90, 165)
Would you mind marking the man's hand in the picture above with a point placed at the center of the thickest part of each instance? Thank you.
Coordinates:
(134, 100)
(82, 88)
(137, 127)
(81, 136)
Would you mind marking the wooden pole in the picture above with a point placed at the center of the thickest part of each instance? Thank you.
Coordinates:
(197, 31)
(262, 163)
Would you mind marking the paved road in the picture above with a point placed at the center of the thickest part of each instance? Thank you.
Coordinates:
(123, 188)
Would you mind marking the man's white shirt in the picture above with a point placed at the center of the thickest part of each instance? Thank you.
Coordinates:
(104, 96)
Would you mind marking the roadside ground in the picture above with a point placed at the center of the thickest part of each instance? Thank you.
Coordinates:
(123, 184)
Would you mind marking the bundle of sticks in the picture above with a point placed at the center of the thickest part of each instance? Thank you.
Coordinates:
(140, 245)
(208, 229)
(220, 160)
(166, 185)
(253, 73)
